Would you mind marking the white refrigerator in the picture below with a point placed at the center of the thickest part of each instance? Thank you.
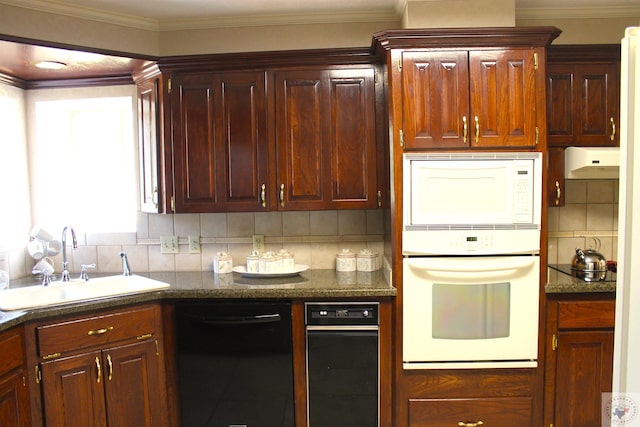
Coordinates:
(624, 407)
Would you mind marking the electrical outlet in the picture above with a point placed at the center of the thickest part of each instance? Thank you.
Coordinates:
(169, 245)
(258, 243)
(194, 244)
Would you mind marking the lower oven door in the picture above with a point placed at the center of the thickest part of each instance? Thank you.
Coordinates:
(470, 312)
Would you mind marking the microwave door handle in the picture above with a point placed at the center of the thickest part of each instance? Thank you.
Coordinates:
(484, 265)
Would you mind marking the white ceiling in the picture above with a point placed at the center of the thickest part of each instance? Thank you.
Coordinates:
(184, 14)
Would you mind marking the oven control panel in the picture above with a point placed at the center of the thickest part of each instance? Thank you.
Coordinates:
(470, 242)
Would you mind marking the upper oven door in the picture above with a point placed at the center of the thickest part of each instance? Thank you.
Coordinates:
(470, 310)
(496, 189)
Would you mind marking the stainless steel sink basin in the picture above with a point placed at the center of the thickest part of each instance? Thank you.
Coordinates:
(58, 293)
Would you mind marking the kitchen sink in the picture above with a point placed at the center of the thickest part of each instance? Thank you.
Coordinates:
(58, 292)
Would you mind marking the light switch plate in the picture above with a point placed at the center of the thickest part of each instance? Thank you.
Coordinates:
(194, 244)
(169, 245)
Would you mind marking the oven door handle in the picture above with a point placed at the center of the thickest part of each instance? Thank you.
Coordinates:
(472, 265)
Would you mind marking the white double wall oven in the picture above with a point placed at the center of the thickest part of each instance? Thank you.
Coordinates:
(471, 265)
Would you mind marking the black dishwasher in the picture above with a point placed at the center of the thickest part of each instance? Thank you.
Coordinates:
(342, 364)
(235, 364)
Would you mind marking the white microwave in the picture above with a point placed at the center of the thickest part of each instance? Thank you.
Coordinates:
(471, 203)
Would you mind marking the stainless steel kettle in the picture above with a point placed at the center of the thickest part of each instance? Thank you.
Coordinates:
(589, 260)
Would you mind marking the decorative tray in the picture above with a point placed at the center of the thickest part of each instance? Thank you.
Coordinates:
(297, 269)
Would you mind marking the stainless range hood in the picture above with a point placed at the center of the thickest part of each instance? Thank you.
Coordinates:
(591, 162)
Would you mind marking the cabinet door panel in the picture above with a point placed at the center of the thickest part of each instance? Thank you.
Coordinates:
(242, 148)
(584, 367)
(435, 99)
(597, 104)
(353, 145)
(193, 143)
(14, 400)
(148, 147)
(560, 126)
(300, 135)
(72, 391)
(134, 396)
(502, 93)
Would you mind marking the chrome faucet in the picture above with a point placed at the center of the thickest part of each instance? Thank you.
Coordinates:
(126, 271)
(65, 263)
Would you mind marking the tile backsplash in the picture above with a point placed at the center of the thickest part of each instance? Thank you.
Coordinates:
(590, 214)
(313, 237)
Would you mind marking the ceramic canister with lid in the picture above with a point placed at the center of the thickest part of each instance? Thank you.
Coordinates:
(367, 260)
(222, 263)
(346, 260)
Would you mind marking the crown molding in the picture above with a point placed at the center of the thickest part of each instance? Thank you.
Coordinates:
(75, 11)
(138, 22)
(578, 13)
(235, 21)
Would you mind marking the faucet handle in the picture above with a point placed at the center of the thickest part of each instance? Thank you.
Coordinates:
(83, 271)
(46, 278)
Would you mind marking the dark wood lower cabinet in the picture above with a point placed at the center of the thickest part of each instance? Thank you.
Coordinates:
(105, 369)
(14, 400)
(579, 359)
(14, 391)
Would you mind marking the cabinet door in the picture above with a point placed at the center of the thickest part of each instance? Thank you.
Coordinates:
(219, 141)
(301, 132)
(435, 99)
(582, 104)
(583, 372)
(242, 142)
(148, 145)
(72, 391)
(14, 400)
(134, 395)
(352, 140)
(555, 177)
(597, 105)
(192, 114)
(503, 101)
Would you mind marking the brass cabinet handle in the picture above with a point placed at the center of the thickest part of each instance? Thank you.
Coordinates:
(379, 198)
(477, 129)
(110, 366)
(470, 424)
(558, 193)
(464, 129)
(263, 196)
(613, 129)
(100, 331)
(99, 369)
(282, 195)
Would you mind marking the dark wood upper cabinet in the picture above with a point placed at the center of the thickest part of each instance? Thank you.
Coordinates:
(326, 139)
(219, 141)
(583, 95)
(263, 131)
(462, 99)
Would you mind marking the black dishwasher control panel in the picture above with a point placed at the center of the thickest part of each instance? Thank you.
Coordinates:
(341, 313)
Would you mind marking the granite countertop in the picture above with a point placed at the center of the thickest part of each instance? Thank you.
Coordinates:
(558, 282)
(206, 284)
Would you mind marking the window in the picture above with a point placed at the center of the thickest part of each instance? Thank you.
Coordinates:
(83, 160)
(15, 219)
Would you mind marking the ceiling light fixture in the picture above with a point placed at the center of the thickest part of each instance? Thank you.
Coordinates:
(51, 65)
